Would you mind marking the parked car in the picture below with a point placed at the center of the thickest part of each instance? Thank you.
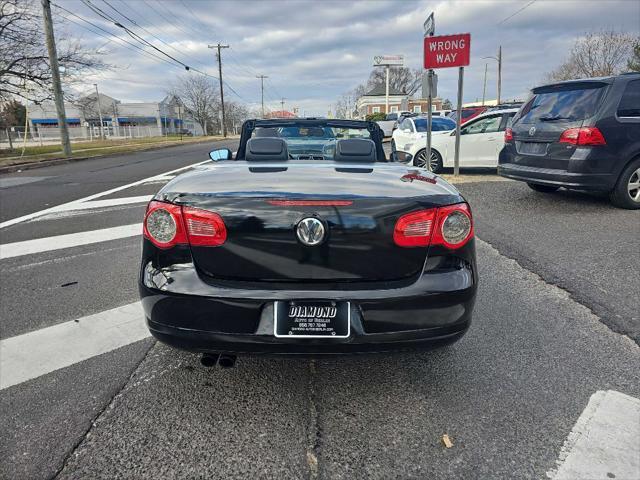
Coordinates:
(481, 140)
(467, 113)
(579, 134)
(390, 122)
(411, 134)
(185, 131)
(316, 249)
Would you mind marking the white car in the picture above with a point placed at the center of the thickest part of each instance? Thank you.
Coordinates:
(481, 140)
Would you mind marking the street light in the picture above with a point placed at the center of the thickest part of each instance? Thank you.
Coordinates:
(499, 60)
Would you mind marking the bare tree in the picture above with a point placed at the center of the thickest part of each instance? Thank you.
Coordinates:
(597, 54)
(402, 79)
(199, 95)
(234, 114)
(24, 62)
(633, 64)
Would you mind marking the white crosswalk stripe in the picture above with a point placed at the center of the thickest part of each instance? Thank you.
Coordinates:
(37, 353)
(39, 245)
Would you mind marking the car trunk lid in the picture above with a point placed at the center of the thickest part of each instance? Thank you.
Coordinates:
(358, 207)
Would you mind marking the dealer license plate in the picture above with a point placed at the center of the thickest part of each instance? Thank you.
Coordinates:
(312, 319)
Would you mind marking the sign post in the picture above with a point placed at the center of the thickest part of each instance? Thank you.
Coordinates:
(450, 51)
(429, 31)
(387, 61)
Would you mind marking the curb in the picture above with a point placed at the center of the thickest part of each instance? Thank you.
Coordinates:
(61, 161)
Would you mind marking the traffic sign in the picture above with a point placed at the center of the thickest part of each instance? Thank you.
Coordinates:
(447, 51)
(388, 60)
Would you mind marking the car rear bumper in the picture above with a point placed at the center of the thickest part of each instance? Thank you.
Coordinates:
(558, 178)
(186, 314)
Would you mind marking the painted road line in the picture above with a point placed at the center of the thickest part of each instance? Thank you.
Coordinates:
(605, 441)
(37, 353)
(33, 215)
(29, 247)
(111, 202)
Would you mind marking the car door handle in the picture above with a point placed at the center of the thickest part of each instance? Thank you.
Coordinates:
(491, 139)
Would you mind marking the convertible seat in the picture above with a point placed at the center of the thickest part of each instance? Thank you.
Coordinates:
(355, 150)
(266, 149)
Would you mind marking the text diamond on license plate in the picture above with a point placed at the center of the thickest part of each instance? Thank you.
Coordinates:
(312, 319)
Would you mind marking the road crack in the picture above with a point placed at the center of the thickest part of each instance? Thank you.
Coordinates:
(314, 433)
(95, 418)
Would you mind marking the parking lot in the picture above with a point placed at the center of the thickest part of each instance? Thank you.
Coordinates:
(556, 321)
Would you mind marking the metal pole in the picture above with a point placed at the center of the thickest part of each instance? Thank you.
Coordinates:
(429, 118)
(499, 72)
(386, 98)
(456, 160)
(219, 47)
(282, 106)
(484, 86)
(262, 77)
(55, 78)
(99, 110)
(180, 118)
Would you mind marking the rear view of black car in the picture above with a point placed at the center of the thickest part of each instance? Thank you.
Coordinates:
(308, 242)
(579, 134)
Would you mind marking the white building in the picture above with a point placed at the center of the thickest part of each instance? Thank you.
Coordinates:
(139, 119)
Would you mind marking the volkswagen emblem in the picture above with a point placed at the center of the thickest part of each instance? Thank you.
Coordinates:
(310, 231)
(532, 131)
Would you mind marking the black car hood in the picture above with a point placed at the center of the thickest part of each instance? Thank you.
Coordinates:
(307, 179)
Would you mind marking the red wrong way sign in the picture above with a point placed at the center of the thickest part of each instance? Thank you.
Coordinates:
(447, 51)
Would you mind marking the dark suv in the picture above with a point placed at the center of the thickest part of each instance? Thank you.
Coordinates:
(579, 134)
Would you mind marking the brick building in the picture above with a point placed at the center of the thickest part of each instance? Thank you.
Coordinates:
(374, 102)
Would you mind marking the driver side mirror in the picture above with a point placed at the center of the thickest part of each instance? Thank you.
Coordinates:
(406, 130)
(220, 154)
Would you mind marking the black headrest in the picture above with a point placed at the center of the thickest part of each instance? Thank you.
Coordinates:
(355, 150)
(269, 149)
(262, 132)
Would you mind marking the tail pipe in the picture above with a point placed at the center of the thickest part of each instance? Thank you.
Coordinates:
(227, 361)
(209, 359)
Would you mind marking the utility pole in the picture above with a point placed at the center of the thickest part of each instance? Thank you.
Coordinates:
(262, 77)
(484, 85)
(282, 105)
(499, 72)
(99, 110)
(219, 47)
(499, 60)
(55, 78)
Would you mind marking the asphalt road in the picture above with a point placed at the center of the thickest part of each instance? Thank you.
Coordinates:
(555, 292)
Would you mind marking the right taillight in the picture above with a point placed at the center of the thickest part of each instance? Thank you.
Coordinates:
(450, 226)
(508, 135)
(583, 136)
(167, 225)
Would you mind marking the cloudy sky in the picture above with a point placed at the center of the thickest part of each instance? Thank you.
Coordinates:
(313, 51)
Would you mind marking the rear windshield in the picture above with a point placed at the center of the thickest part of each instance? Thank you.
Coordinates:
(311, 143)
(566, 104)
(438, 124)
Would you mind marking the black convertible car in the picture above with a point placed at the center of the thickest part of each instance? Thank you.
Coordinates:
(309, 241)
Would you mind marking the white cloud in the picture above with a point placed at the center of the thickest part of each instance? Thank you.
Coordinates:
(315, 50)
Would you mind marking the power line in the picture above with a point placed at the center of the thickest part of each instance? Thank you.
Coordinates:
(111, 35)
(515, 13)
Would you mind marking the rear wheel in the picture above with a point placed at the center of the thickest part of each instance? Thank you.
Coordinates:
(542, 188)
(421, 160)
(626, 193)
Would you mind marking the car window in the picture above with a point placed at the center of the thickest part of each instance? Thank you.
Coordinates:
(439, 124)
(484, 125)
(508, 121)
(629, 105)
(392, 116)
(568, 102)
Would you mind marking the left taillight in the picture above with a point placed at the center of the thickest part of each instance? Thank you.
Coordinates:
(508, 135)
(167, 225)
(204, 228)
(163, 224)
(450, 226)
